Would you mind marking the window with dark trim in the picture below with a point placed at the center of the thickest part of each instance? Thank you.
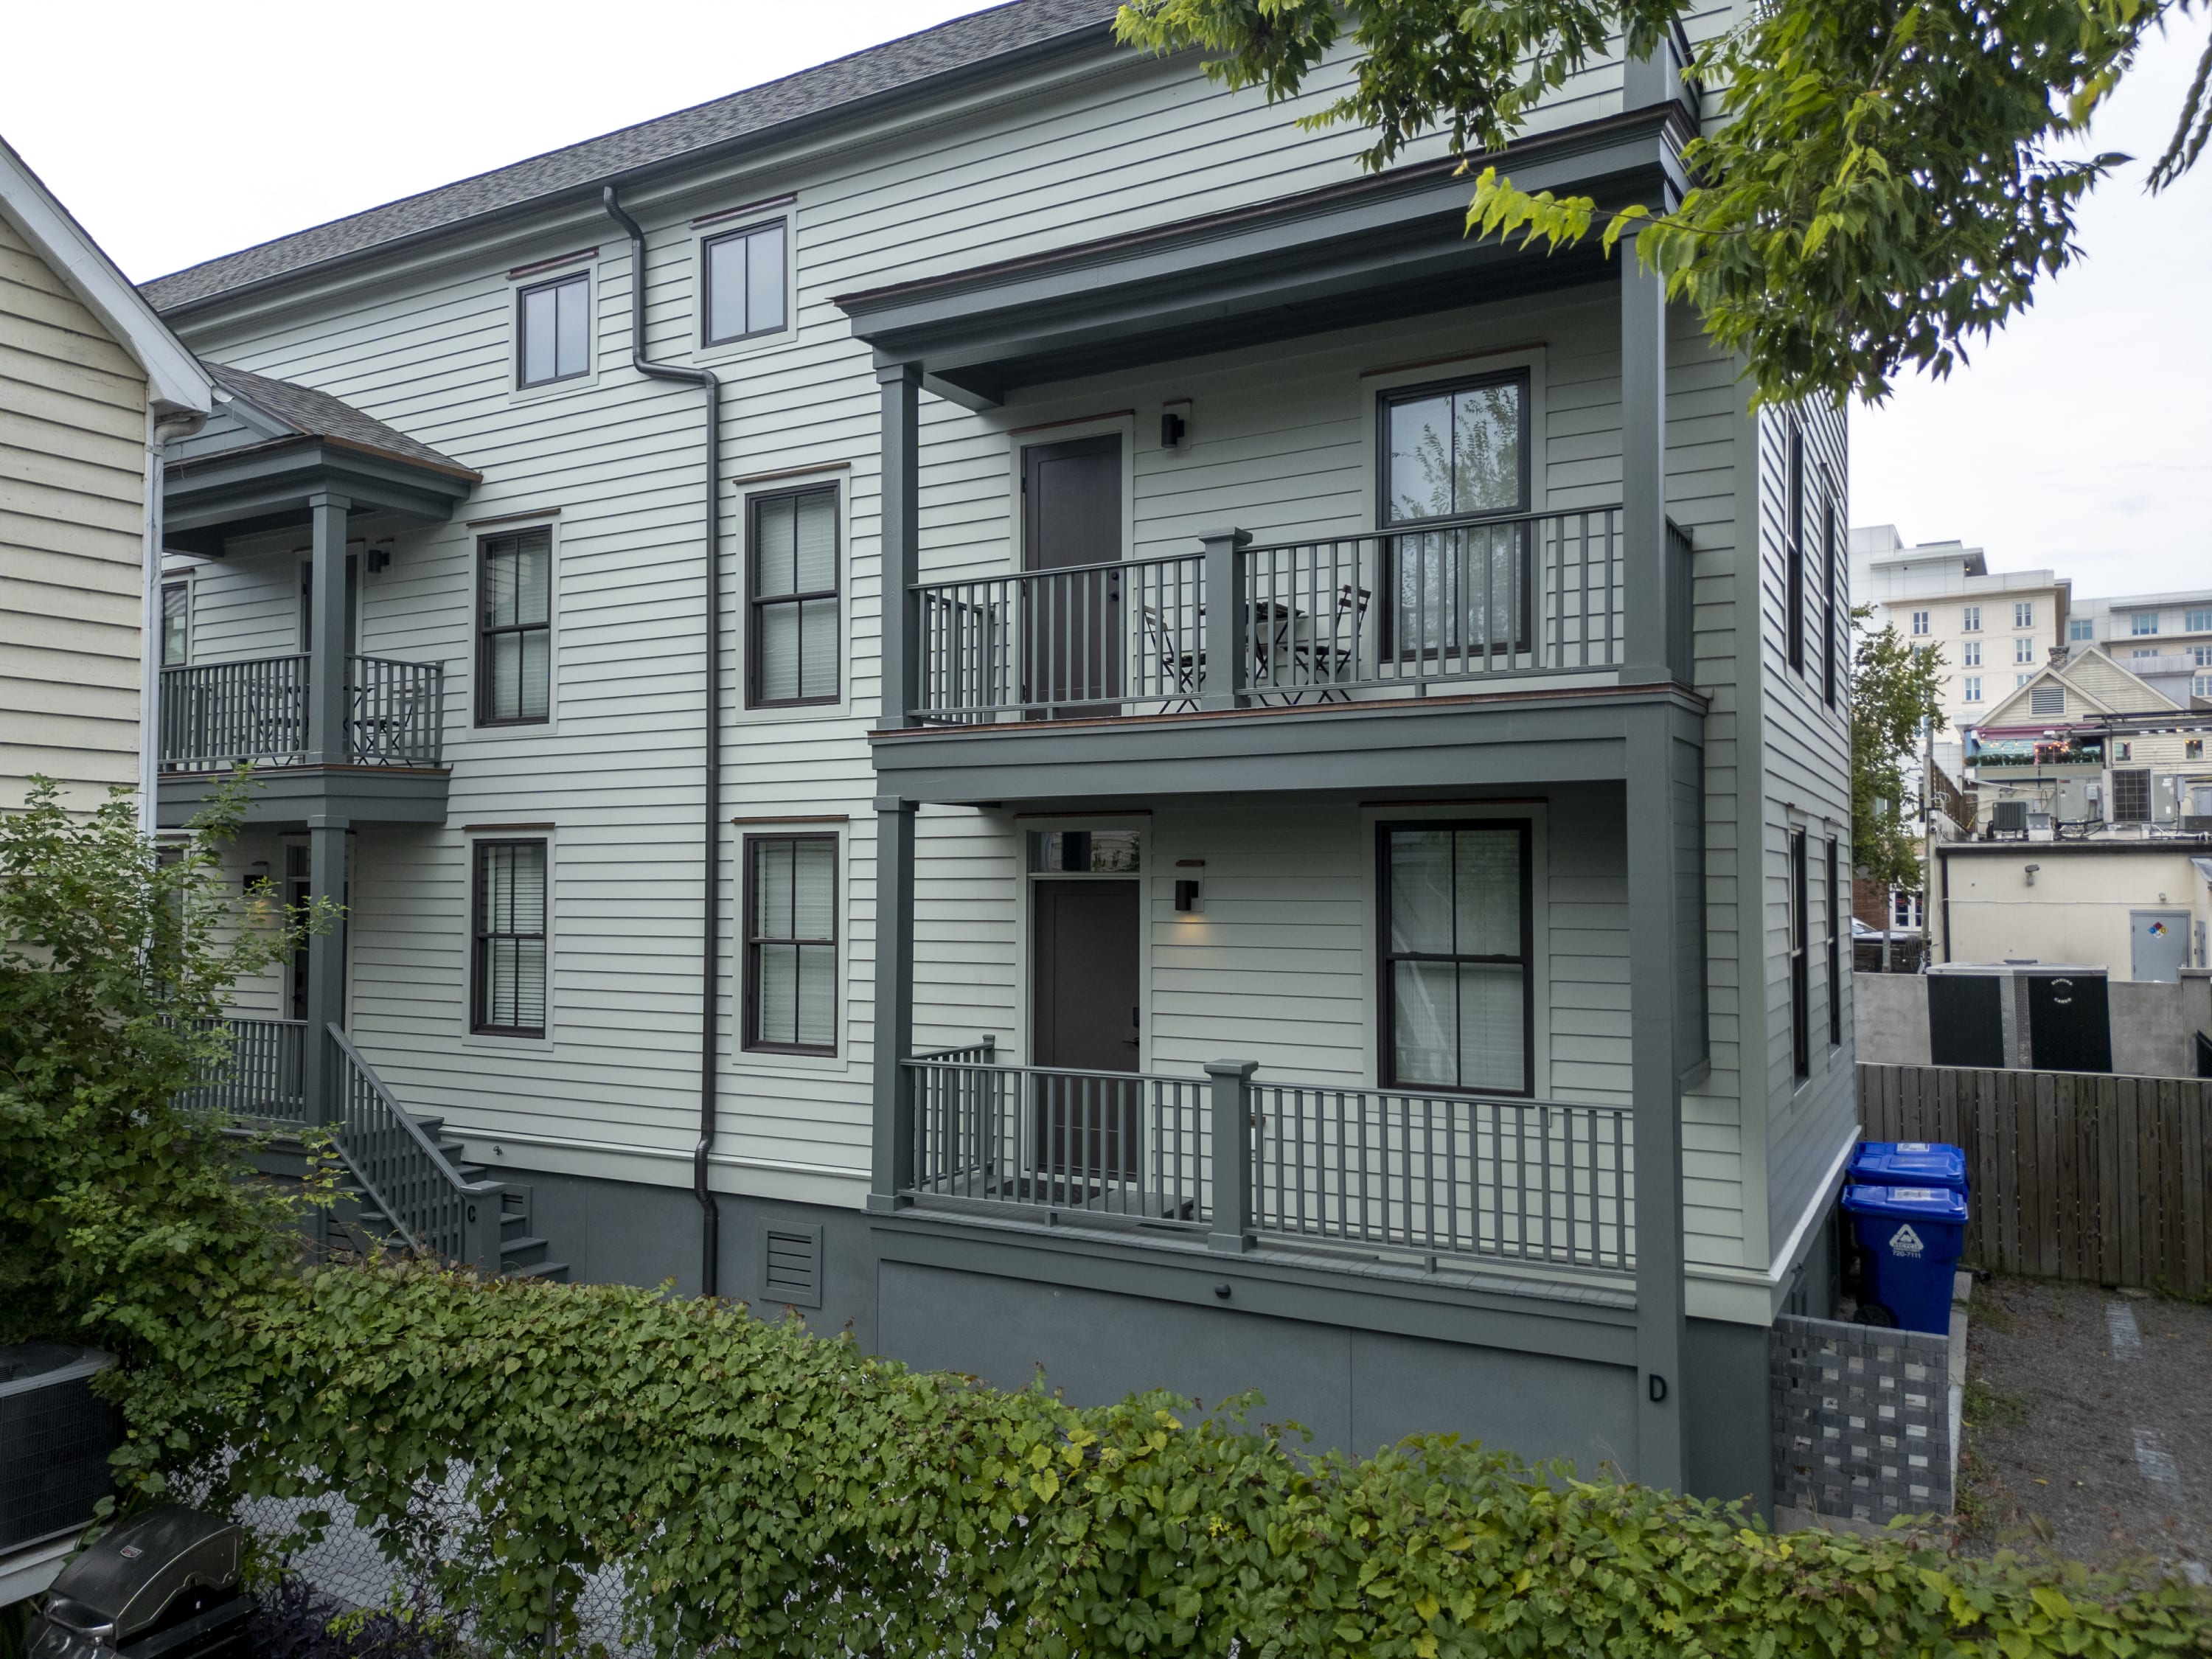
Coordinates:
(176, 622)
(514, 632)
(1793, 598)
(1800, 990)
(1832, 586)
(744, 283)
(791, 944)
(1835, 942)
(553, 331)
(1453, 472)
(1457, 966)
(791, 592)
(508, 966)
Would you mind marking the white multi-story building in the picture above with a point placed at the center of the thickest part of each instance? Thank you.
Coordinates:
(2165, 639)
(852, 710)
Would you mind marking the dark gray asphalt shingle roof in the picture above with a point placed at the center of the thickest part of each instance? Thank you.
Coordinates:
(961, 43)
(318, 415)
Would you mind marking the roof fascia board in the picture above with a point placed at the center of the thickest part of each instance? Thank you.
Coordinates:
(580, 203)
(207, 492)
(175, 380)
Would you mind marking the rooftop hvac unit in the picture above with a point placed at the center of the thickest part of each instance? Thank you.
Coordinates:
(2009, 817)
(55, 1437)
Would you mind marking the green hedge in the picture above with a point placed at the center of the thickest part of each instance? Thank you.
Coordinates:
(785, 1493)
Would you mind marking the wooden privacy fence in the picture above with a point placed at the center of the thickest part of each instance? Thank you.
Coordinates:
(2076, 1175)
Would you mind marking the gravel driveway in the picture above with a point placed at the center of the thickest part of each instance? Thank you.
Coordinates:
(2088, 1427)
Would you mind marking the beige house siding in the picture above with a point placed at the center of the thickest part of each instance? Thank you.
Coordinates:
(72, 502)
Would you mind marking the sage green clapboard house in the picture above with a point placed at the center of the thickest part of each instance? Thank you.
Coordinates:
(985, 692)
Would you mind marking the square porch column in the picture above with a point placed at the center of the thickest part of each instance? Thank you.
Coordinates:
(1644, 467)
(329, 650)
(892, 1165)
(898, 536)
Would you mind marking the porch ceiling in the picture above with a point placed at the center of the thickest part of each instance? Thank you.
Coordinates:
(1373, 248)
(207, 500)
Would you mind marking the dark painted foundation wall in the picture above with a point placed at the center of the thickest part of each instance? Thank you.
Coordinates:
(1360, 1362)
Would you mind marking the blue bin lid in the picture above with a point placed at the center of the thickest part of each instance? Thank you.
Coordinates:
(1926, 1203)
(1907, 1162)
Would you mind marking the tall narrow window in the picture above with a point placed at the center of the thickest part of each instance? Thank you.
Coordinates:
(745, 284)
(791, 944)
(514, 643)
(553, 331)
(2023, 614)
(1800, 990)
(1920, 622)
(1793, 554)
(1969, 618)
(176, 622)
(1835, 942)
(1457, 956)
(509, 992)
(1451, 455)
(792, 598)
(1832, 589)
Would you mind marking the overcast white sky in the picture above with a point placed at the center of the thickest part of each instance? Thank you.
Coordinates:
(2081, 438)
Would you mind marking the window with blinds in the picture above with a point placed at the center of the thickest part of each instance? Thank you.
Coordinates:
(1457, 953)
(792, 596)
(176, 622)
(1800, 986)
(514, 643)
(509, 929)
(791, 944)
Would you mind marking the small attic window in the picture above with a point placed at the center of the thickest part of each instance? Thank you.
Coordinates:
(2048, 698)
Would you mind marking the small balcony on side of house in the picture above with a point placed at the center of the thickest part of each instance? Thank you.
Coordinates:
(218, 715)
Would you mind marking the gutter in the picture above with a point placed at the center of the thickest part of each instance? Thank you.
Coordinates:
(710, 950)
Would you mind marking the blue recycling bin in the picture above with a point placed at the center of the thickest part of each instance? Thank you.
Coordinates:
(1912, 1237)
(1908, 1163)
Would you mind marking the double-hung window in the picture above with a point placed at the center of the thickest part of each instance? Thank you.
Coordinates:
(2023, 615)
(508, 994)
(1452, 456)
(1457, 956)
(176, 622)
(2023, 649)
(746, 274)
(791, 944)
(1970, 619)
(1835, 942)
(553, 331)
(792, 598)
(1971, 655)
(1920, 622)
(514, 634)
(1973, 688)
(1801, 988)
(1793, 554)
(1831, 588)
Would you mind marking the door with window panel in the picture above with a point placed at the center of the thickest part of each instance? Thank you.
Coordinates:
(1459, 574)
(1458, 953)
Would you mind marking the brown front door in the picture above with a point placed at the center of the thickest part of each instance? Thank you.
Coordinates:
(1084, 1018)
(1071, 623)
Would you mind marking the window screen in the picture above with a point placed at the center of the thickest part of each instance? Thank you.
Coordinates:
(514, 646)
(1456, 955)
(510, 938)
(793, 600)
(791, 943)
(745, 284)
(554, 330)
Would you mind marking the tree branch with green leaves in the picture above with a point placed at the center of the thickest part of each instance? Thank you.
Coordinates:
(1882, 184)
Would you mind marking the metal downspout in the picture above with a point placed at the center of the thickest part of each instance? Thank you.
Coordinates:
(710, 955)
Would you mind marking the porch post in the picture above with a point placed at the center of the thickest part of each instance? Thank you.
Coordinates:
(327, 645)
(1224, 685)
(1644, 466)
(899, 515)
(1654, 838)
(893, 1164)
(1231, 1106)
(326, 952)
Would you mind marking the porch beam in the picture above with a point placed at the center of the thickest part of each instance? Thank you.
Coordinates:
(892, 1165)
(899, 518)
(1644, 465)
(327, 645)
(1656, 838)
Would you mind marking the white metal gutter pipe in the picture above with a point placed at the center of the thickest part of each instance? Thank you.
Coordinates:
(710, 965)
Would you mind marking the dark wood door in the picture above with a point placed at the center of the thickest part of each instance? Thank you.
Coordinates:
(1084, 1018)
(1072, 641)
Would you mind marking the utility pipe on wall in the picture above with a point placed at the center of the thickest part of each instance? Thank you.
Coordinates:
(710, 966)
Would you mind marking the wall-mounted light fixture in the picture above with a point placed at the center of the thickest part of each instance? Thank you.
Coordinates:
(1187, 898)
(2030, 874)
(257, 876)
(380, 558)
(1174, 423)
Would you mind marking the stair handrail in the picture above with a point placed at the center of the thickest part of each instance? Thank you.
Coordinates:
(428, 1149)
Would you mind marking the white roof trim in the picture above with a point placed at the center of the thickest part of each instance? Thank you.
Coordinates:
(175, 380)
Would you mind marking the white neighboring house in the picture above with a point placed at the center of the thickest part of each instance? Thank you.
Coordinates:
(1094, 587)
(92, 382)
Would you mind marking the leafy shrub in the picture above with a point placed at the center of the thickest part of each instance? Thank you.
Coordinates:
(774, 1492)
(292, 1619)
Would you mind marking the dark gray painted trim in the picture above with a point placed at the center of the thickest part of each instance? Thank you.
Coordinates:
(287, 797)
(206, 499)
(1415, 745)
(1263, 1282)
